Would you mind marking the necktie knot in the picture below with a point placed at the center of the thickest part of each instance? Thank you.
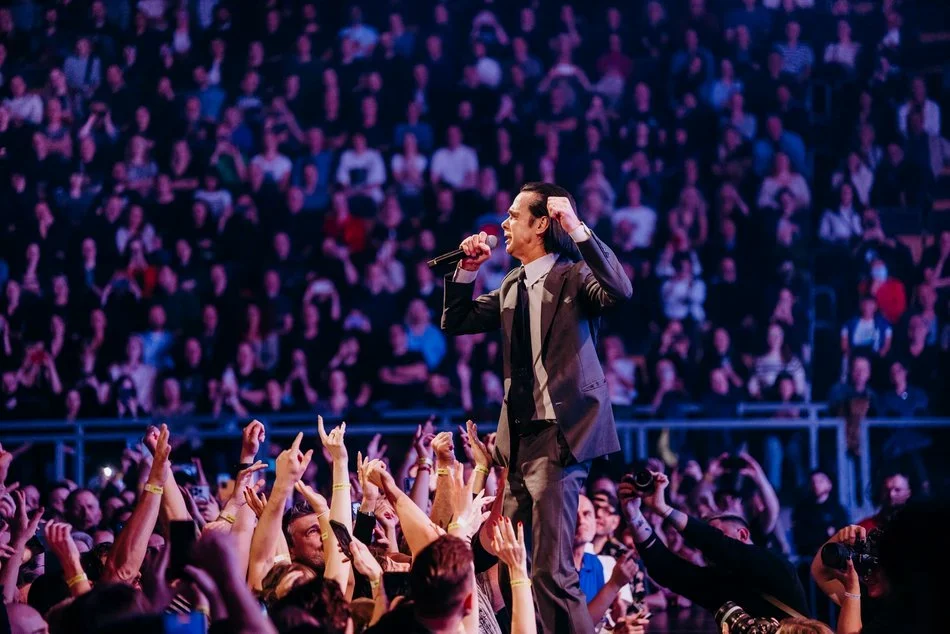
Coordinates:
(523, 276)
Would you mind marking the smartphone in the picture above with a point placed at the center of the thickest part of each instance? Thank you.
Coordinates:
(181, 537)
(191, 623)
(342, 536)
(200, 491)
(52, 562)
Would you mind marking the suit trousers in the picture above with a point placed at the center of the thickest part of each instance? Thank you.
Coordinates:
(544, 482)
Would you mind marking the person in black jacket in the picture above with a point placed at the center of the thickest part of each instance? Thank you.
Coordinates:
(762, 582)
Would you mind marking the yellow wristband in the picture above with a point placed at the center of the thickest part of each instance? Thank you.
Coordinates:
(227, 518)
(453, 526)
(325, 536)
(154, 488)
(200, 609)
(441, 471)
(81, 577)
(480, 469)
(520, 582)
(341, 487)
(373, 584)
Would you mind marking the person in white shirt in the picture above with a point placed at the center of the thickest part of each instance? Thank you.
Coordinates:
(843, 224)
(455, 165)
(271, 163)
(21, 105)
(361, 171)
(641, 217)
(683, 296)
(929, 108)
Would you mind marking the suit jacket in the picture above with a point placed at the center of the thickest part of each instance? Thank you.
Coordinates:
(575, 295)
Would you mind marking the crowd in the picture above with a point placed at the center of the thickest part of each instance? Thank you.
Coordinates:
(419, 544)
(225, 208)
(213, 208)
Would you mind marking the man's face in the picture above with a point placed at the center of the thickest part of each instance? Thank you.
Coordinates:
(820, 485)
(586, 522)
(522, 230)
(896, 491)
(85, 511)
(606, 519)
(307, 543)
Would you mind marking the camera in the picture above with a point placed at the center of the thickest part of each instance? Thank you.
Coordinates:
(642, 481)
(863, 553)
(741, 622)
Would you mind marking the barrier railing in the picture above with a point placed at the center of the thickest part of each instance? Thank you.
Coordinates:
(633, 425)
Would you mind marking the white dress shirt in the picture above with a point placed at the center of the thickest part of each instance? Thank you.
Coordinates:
(536, 272)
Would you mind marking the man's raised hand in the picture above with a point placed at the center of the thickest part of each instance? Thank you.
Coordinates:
(476, 250)
(444, 446)
(333, 442)
(161, 450)
(291, 463)
(251, 438)
(560, 210)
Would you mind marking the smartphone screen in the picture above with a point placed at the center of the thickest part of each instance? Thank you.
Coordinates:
(342, 536)
(181, 538)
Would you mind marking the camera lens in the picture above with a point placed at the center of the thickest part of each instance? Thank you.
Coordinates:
(643, 481)
(741, 622)
(836, 556)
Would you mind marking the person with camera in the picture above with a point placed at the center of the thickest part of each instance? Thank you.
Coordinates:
(737, 570)
(834, 571)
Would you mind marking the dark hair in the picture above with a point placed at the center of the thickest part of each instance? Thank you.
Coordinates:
(104, 604)
(321, 599)
(439, 577)
(556, 240)
(298, 510)
(730, 519)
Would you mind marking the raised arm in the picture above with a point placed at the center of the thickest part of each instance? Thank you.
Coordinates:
(22, 528)
(605, 282)
(461, 314)
(126, 556)
(444, 447)
(511, 550)
(830, 581)
(173, 506)
(418, 529)
(668, 570)
(478, 453)
(772, 505)
(340, 508)
(291, 463)
(623, 573)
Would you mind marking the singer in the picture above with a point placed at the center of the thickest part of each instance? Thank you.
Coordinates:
(556, 417)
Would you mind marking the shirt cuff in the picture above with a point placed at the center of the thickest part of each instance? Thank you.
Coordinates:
(464, 276)
(581, 234)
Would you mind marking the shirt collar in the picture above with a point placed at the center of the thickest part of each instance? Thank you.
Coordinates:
(536, 269)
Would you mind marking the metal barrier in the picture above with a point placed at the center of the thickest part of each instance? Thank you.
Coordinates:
(633, 426)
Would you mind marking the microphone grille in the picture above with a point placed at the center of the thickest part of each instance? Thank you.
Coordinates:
(492, 241)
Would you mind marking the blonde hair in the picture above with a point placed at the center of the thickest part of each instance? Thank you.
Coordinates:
(803, 626)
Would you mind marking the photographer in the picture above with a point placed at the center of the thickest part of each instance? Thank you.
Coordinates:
(843, 587)
(764, 583)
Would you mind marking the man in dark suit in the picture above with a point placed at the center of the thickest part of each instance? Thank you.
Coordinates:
(556, 417)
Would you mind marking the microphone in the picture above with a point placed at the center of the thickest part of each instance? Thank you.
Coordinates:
(453, 257)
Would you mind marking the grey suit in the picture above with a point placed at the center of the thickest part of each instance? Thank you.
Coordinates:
(548, 464)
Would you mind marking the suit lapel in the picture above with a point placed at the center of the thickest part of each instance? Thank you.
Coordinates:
(509, 300)
(553, 285)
